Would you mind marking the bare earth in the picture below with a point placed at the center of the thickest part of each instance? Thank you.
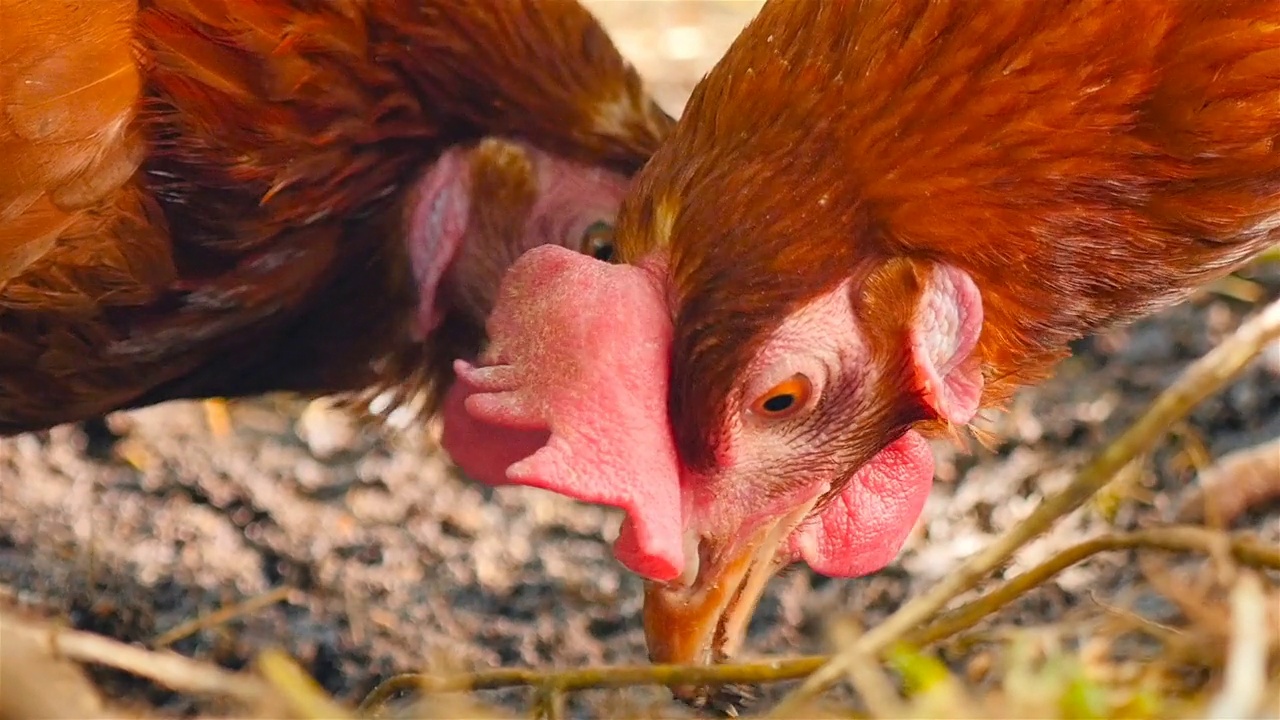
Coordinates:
(398, 564)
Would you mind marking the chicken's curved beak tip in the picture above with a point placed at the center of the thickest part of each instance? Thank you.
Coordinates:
(704, 622)
(702, 618)
(679, 624)
(726, 700)
(684, 626)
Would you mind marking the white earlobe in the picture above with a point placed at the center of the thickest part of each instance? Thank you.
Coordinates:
(944, 333)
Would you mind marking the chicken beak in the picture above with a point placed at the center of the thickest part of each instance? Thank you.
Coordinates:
(702, 618)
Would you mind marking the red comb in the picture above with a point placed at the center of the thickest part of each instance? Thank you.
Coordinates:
(571, 397)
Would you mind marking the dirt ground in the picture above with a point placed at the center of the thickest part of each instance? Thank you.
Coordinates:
(397, 563)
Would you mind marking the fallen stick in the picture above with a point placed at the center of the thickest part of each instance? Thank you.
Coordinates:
(276, 685)
(169, 669)
(616, 676)
(1235, 484)
(1246, 551)
(1244, 684)
(222, 616)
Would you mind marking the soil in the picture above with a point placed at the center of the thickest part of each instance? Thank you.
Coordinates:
(399, 564)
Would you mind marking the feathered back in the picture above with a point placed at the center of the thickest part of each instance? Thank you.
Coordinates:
(69, 87)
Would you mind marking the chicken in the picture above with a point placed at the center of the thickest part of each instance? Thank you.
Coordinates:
(873, 220)
(211, 198)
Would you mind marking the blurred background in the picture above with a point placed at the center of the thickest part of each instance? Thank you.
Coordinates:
(395, 563)
(673, 43)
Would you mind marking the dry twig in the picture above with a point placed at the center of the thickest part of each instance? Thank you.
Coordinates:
(1246, 674)
(1238, 482)
(868, 678)
(279, 688)
(217, 415)
(222, 616)
(1196, 601)
(591, 678)
(1247, 551)
(297, 690)
(166, 668)
(35, 683)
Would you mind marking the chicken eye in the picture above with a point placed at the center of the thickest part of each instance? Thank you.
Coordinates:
(784, 399)
(597, 240)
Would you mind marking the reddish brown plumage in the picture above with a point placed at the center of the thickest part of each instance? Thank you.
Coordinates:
(1086, 162)
(204, 197)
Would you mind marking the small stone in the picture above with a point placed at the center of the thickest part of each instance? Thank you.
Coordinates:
(327, 429)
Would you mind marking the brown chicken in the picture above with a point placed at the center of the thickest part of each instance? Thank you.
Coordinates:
(222, 198)
(873, 220)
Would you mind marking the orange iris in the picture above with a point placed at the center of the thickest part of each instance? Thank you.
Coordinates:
(784, 399)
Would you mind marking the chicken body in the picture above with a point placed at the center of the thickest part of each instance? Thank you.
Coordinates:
(219, 198)
(873, 220)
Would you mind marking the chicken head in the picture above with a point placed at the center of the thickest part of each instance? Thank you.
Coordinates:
(581, 395)
(473, 212)
(478, 208)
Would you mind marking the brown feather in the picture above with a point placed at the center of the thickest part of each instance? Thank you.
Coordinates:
(206, 193)
(1086, 162)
